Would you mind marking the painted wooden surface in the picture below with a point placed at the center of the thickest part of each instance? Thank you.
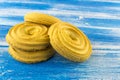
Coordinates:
(99, 20)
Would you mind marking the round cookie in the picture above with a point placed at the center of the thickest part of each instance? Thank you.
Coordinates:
(31, 57)
(28, 36)
(41, 18)
(70, 42)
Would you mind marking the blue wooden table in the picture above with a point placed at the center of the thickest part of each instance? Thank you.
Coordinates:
(98, 19)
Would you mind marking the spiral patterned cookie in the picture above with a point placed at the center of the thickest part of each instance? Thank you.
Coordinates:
(70, 42)
(31, 57)
(40, 18)
(28, 36)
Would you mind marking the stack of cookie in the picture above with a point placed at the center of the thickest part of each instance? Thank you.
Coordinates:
(29, 42)
(40, 35)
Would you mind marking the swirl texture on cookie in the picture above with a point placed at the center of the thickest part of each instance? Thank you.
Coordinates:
(28, 36)
(70, 42)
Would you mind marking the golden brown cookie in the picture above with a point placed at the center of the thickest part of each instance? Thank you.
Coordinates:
(41, 18)
(70, 42)
(31, 57)
(28, 36)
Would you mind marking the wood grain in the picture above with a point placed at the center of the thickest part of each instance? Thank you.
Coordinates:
(98, 19)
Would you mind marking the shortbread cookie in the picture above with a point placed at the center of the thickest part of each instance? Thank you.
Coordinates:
(31, 57)
(28, 36)
(70, 42)
(41, 18)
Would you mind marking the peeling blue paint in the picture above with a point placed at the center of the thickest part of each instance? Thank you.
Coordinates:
(98, 19)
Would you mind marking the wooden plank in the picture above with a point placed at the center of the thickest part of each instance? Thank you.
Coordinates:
(98, 19)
